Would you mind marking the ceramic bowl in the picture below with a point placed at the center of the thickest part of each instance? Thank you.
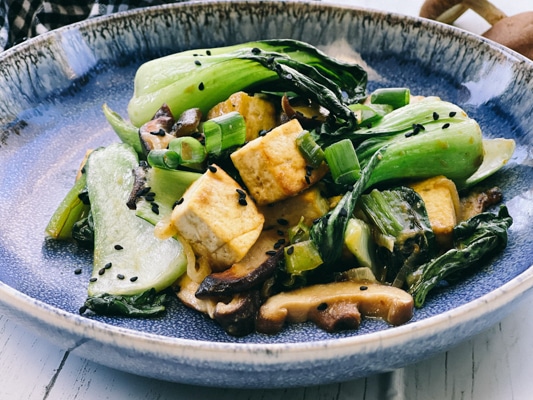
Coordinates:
(51, 92)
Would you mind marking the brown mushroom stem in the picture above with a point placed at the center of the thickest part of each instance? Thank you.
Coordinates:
(450, 16)
(488, 11)
(447, 11)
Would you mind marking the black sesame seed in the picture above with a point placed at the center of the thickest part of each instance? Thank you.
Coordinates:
(93, 279)
(134, 278)
(408, 134)
(281, 233)
(208, 52)
(160, 132)
(178, 202)
(446, 125)
(452, 114)
(262, 132)
(435, 116)
(270, 252)
(243, 202)
(256, 50)
(277, 246)
(307, 179)
(241, 192)
(101, 271)
(197, 62)
(144, 191)
(290, 250)
(282, 221)
(201, 86)
(281, 241)
(120, 276)
(77, 271)
(108, 265)
(155, 208)
(363, 287)
(118, 247)
(212, 168)
(322, 306)
(149, 199)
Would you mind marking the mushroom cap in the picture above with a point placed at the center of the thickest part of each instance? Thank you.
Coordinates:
(515, 32)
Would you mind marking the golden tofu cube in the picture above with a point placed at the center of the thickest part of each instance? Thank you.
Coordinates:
(309, 204)
(442, 204)
(215, 220)
(258, 113)
(272, 166)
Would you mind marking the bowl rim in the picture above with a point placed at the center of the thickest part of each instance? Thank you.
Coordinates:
(18, 302)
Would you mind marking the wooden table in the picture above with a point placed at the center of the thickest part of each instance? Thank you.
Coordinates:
(495, 364)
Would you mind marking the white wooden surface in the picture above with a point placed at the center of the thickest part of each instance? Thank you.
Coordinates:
(496, 364)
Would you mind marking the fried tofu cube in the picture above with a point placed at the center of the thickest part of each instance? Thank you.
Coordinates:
(215, 222)
(258, 113)
(442, 204)
(272, 166)
(309, 204)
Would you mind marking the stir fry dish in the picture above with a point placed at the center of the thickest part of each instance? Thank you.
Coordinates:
(263, 185)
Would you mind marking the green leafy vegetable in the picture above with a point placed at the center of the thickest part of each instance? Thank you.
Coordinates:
(475, 241)
(205, 77)
(402, 225)
(145, 304)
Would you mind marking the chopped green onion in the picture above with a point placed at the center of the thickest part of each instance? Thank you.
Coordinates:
(343, 162)
(224, 132)
(395, 97)
(302, 256)
(309, 149)
(166, 159)
(189, 149)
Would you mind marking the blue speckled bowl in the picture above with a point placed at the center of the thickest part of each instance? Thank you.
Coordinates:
(51, 92)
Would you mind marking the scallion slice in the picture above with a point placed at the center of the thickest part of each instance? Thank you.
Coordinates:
(309, 149)
(166, 159)
(189, 149)
(396, 97)
(343, 162)
(224, 132)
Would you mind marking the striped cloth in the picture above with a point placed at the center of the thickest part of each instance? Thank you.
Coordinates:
(23, 19)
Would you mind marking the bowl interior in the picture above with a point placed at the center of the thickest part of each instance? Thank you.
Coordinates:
(53, 88)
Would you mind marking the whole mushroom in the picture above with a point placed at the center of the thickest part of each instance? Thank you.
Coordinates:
(515, 32)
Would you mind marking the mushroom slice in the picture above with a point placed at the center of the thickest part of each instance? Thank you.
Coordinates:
(256, 266)
(187, 123)
(335, 306)
(235, 314)
(237, 317)
(154, 133)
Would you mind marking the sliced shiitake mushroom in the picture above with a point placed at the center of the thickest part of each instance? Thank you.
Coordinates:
(188, 123)
(154, 134)
(253, 269)
(235, 314)
(335, 306)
